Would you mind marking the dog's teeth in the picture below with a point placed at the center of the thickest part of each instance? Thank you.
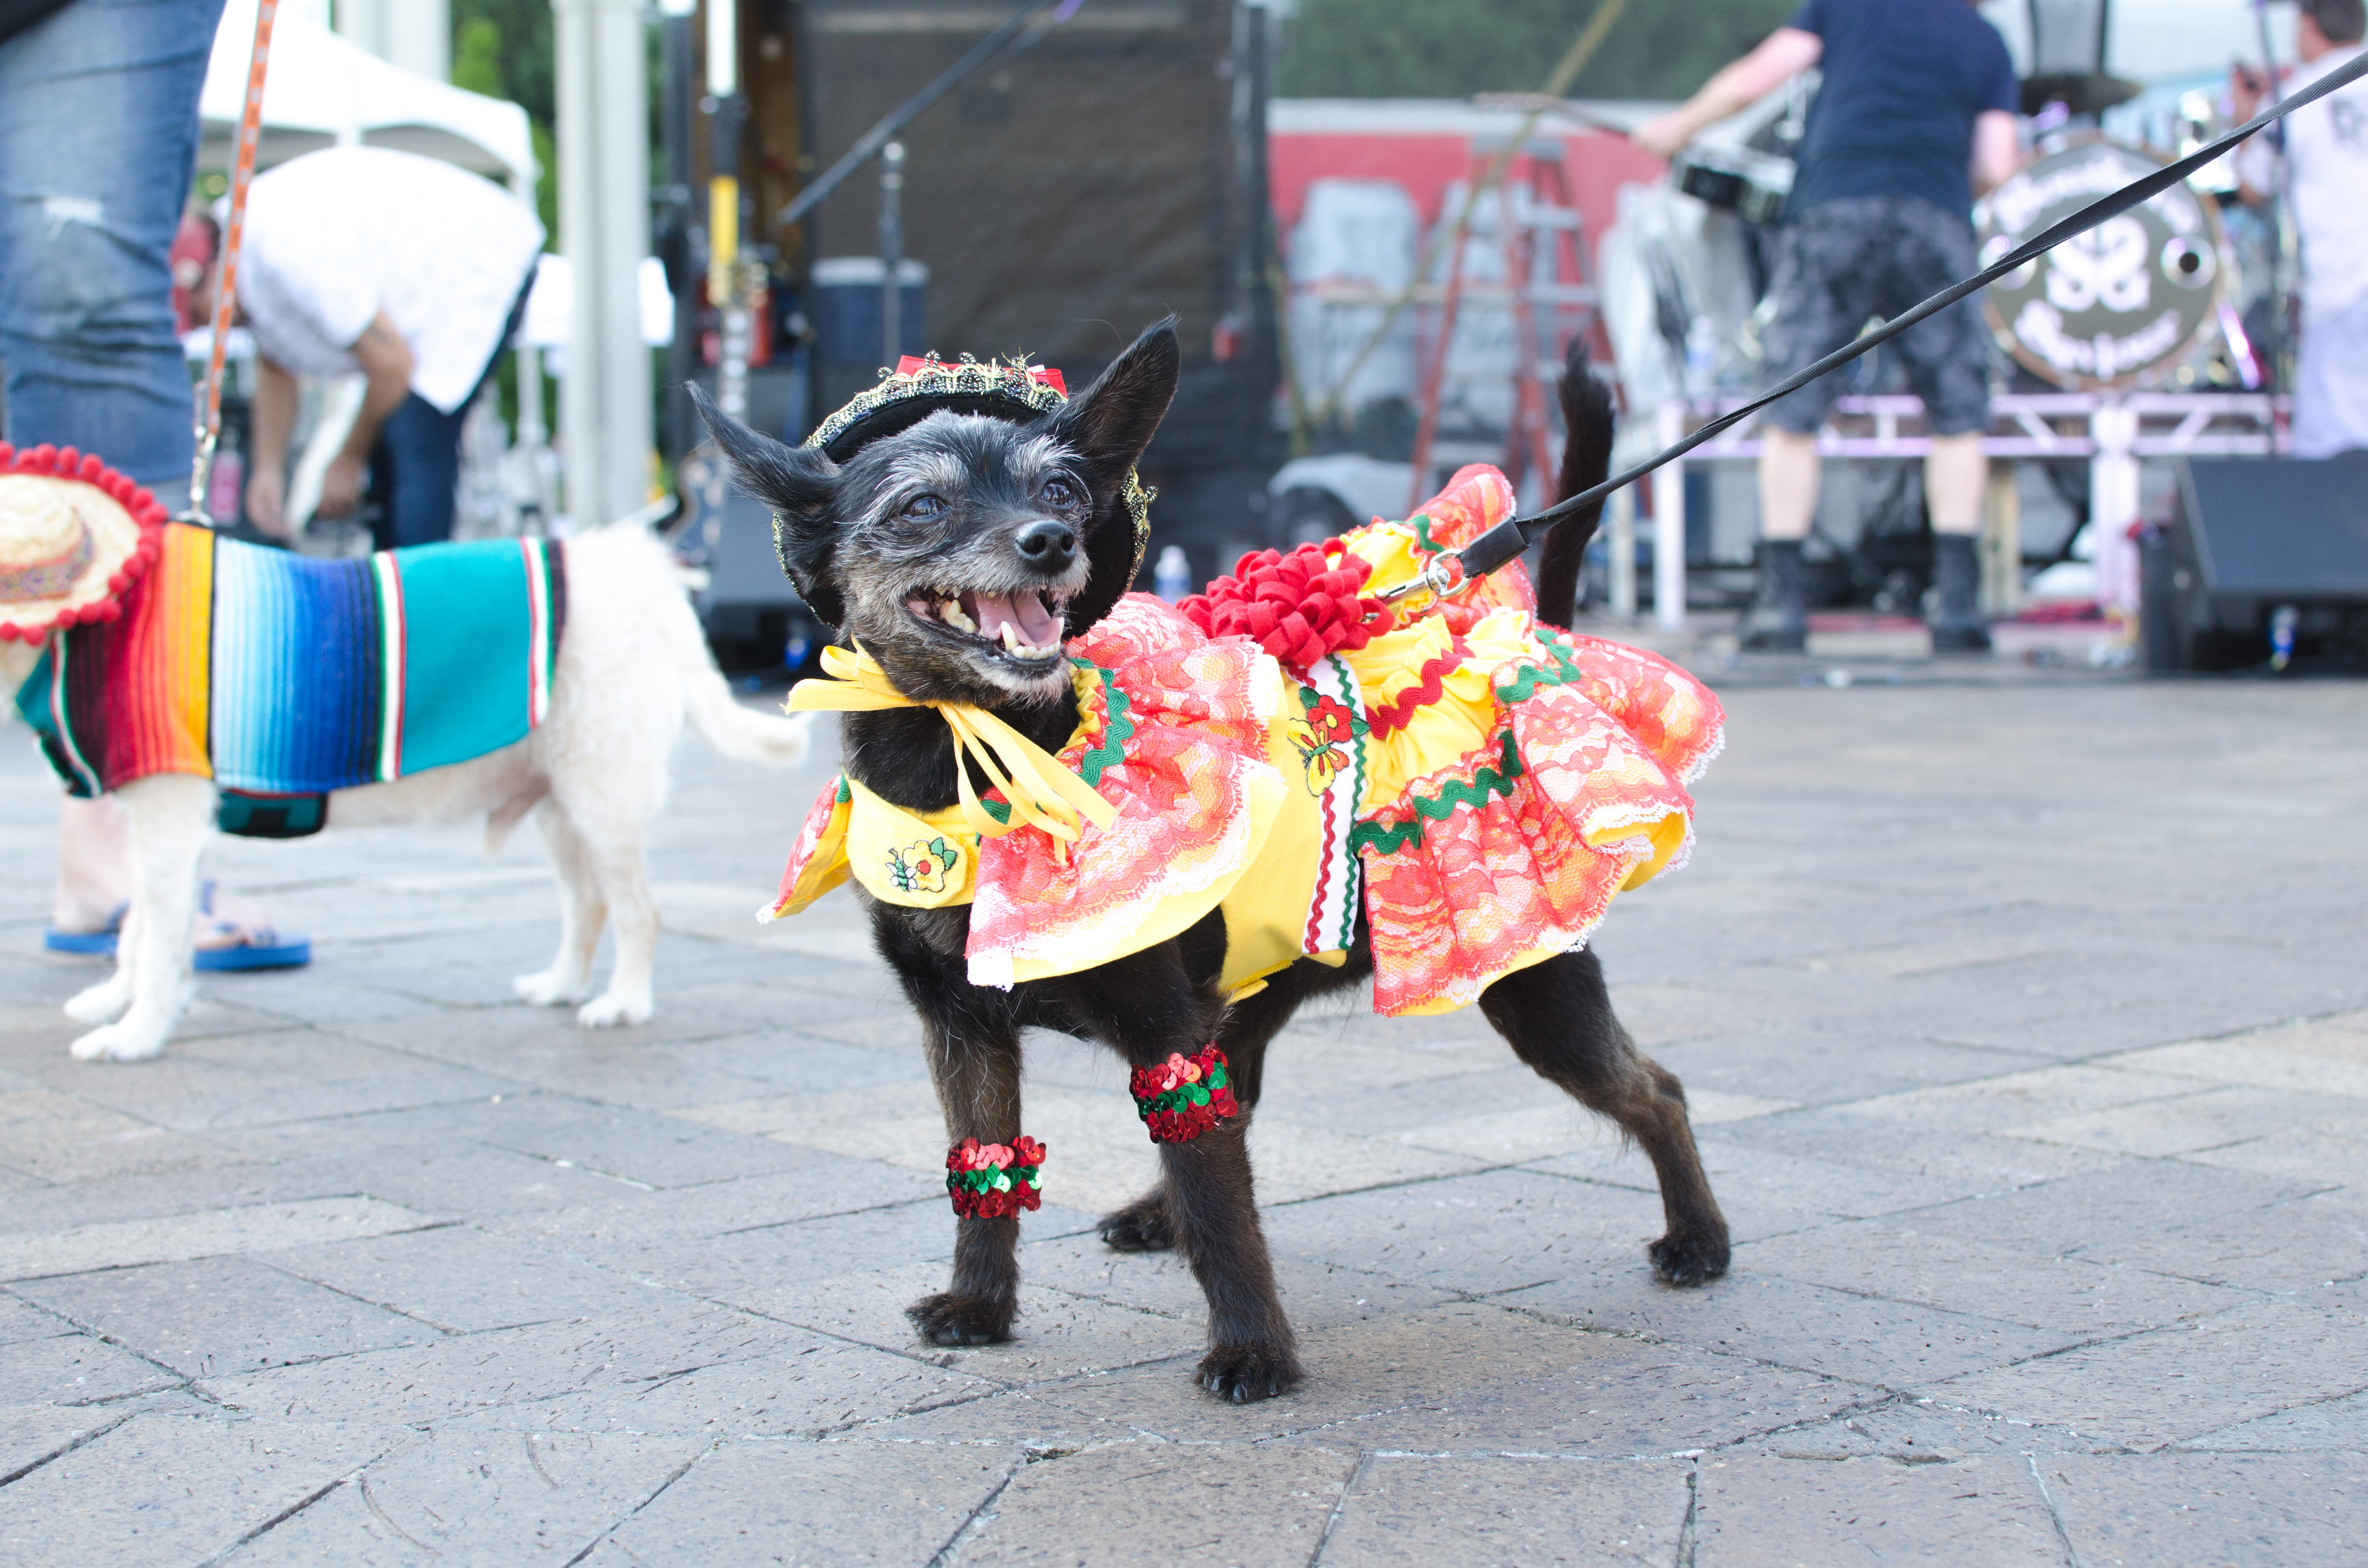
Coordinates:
(951, 610)
(1010, 639)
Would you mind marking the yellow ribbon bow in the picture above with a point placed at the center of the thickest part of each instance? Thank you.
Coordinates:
(1041, 792)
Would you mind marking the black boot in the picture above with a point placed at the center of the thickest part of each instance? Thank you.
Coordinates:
(1776, 624)
(1958, 627)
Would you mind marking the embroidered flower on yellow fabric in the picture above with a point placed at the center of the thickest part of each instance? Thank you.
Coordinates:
(1330, 725)
(922, 867)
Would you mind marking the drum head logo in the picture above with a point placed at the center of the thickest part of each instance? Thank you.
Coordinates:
(2119, 306)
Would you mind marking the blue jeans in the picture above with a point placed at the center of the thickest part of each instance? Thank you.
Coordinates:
(414, 469)
(99, 139)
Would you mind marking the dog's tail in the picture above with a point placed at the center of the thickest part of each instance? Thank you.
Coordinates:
(1587, 418)
(775, 740)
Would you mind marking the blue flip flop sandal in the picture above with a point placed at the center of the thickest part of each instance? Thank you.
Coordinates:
(261, 949)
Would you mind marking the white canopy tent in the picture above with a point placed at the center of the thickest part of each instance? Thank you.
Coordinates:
(2164, 40)
(322, 90)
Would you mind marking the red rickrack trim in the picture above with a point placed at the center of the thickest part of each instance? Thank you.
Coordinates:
(1298, 607)
(1183, 1096)
(1388, 717)
(84, 468)
(988, 1181)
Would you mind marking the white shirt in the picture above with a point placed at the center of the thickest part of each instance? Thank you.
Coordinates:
(335, 237)
(2326, 179)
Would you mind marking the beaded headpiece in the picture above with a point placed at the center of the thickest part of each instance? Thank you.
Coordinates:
(916, 388)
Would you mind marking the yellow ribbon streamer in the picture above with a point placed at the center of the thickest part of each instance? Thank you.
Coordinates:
(1041, 793)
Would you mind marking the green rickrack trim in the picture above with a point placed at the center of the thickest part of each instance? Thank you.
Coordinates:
(1420, 524)
(1184, 1094)
(1485, 781)
(1525, 685)
(845, 794)
(1118, 726)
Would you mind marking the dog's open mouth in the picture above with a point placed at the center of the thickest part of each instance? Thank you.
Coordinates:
(1025, 624)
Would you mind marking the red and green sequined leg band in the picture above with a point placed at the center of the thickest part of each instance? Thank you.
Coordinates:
(1183, 1096)
(988, 1181)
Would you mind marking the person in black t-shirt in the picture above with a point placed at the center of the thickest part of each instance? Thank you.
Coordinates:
(1915, 117)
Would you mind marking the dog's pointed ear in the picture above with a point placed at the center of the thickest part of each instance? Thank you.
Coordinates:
(800, 485)
(1108, 424)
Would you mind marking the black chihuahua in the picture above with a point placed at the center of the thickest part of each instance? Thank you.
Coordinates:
(960, 553)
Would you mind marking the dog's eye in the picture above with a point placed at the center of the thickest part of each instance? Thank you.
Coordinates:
(1059, 491)
(924, 506)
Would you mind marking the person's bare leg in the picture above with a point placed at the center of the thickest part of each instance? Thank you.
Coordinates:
(1789, 478)
(1956, 475)
(93, 864)
(1790, 475)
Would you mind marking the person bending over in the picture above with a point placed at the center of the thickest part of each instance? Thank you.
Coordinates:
(409, 270)
(1915, 117)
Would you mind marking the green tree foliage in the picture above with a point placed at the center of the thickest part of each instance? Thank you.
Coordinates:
(502, 49)
(1451, 49)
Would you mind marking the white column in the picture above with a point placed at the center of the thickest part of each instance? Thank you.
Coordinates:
(2114, 504)
(1670, 523)
(414, 34)
(605, 416)
(1619, 523)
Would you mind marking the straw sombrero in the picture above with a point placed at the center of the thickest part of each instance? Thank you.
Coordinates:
(73, 535)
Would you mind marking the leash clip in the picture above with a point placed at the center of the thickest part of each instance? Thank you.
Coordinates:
(1441, 576)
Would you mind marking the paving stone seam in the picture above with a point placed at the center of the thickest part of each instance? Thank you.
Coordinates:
(984, 1515)
(2054, 1512)
(94, 1434)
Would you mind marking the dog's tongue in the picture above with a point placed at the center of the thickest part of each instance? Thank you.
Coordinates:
(1024, 613)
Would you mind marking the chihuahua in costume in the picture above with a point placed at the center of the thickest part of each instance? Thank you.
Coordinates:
(1162, 828)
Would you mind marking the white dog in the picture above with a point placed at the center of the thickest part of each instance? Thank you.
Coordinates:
(630, 666)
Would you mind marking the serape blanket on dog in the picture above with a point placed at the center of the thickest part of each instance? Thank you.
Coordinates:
(278, 675)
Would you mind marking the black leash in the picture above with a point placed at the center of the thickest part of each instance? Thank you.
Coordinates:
(1509, 538)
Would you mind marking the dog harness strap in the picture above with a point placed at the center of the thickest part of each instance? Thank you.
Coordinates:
(1041, 793)
(988, 1181)
(1183, 1096)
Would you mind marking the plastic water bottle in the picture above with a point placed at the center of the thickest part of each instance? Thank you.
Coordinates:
(1701, 358)
(2283, 624)
(1171, 579)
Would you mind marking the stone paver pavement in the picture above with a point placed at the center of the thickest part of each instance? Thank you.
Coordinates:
(2023, 1014)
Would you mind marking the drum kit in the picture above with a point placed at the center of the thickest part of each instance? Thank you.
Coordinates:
(2127, 306)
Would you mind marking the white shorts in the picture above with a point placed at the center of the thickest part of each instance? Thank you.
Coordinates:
(2330, 395)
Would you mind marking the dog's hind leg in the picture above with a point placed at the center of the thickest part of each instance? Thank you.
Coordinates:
(170, 815)
(582, 911)
(634, 916)
(1559, 1019)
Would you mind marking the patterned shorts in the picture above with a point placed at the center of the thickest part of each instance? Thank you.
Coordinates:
(1842, 262)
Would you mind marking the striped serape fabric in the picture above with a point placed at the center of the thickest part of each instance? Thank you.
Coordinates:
(281, 676)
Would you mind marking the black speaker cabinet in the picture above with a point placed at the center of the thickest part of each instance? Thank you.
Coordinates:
(2255, 535)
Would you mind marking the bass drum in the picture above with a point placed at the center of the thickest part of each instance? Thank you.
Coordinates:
(2121, 306)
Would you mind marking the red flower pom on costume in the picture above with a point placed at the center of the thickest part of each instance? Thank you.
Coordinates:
(1183, 1096)
(1298, 607)
(988, 1181)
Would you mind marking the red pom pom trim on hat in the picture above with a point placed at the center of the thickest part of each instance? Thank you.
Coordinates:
(1298, 607)
(86, 468)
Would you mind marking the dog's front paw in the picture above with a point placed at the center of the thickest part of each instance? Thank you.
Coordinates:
(608, 1010)
(1141, 1226)
(548, 989)
(948, 1319)
(1246, 1372)
(101, 1003)
(120, 1042)
(1689, 1260)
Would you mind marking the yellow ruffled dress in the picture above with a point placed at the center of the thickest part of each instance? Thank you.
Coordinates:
(1476, 785)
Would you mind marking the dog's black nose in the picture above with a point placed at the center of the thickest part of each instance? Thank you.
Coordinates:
(1047, 545)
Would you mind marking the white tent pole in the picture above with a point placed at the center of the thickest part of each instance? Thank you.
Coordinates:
(604, 168)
